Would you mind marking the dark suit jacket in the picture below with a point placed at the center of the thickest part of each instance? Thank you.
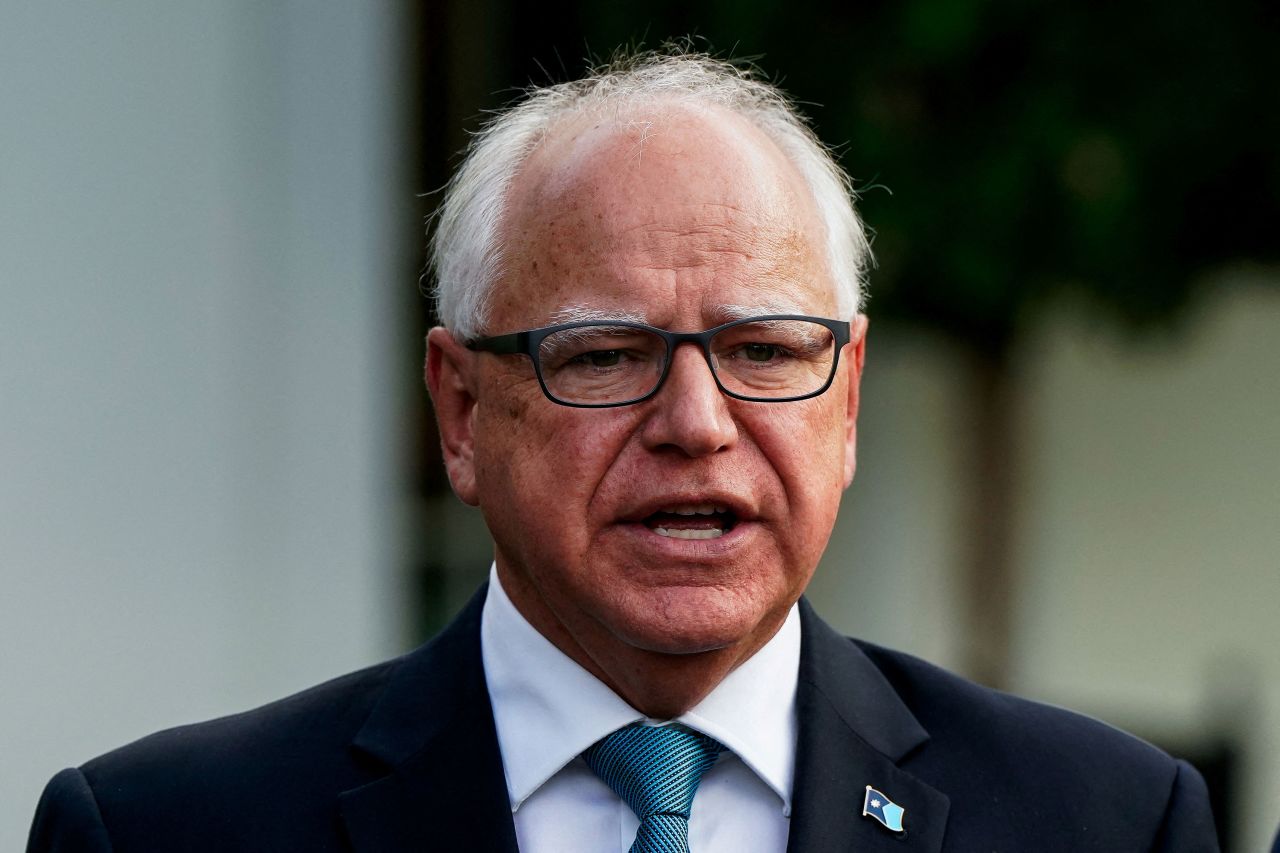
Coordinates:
(403, 757)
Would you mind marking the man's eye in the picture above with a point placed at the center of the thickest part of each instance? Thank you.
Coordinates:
(760, 352)
(600, 358)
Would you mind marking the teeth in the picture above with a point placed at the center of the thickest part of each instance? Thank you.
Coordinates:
(708, 533)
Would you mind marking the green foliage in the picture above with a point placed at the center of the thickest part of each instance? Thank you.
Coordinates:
(1115, 149)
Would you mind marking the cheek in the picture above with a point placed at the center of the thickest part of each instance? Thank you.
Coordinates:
(509, 426)
(512, 452)
(805, 447)
(539, 465)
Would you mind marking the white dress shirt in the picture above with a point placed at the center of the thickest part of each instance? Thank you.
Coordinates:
(548, 709)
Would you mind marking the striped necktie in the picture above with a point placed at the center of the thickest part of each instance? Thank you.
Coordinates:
(656, 771)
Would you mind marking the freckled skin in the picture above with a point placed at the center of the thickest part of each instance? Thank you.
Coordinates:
(703, 212)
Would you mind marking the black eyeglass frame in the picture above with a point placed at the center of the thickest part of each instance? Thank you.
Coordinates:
(527, 343)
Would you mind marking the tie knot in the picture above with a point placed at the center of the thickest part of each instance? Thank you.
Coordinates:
(654, 769)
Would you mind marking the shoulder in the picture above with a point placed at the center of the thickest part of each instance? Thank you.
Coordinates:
(952, 708)
(238, 779)
(292, 730)
(1037, 767)
(916, 711)
(273, 778)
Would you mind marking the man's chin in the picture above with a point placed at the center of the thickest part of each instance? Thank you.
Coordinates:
(693, 622)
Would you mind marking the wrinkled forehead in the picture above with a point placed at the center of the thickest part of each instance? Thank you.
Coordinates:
(611, 205)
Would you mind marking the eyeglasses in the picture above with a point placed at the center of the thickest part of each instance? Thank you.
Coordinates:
(776, 358)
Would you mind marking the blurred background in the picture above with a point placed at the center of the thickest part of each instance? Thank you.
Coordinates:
(219, 479)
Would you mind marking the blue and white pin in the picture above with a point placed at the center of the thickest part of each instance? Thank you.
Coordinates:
(883, 809)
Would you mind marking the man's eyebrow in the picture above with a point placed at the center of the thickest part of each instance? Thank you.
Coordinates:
(586, 313)
(729, 313)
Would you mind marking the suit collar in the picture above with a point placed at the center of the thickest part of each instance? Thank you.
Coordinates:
(855, 731)
(548, 709)
(432, 736)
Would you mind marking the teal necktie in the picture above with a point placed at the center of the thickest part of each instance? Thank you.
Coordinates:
(656, 771)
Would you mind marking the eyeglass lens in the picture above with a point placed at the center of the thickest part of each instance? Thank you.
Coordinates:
(765, 360)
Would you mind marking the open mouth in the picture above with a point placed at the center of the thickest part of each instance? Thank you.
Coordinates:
(703, 521)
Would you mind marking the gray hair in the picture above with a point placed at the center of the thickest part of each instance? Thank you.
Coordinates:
(466, 255)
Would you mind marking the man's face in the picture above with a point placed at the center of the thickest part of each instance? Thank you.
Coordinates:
(677, 220)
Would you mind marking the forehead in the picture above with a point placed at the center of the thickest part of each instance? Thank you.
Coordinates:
(658, 212)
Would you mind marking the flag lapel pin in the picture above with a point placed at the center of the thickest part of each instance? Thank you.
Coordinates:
(883, 809)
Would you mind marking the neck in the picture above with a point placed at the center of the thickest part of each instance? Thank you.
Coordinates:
(659, 685)
(662, 686)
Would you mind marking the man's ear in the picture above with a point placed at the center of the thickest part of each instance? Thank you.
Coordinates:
(857, 355)
(450, 375)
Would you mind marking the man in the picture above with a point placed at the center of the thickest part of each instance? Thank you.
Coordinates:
(647, 380)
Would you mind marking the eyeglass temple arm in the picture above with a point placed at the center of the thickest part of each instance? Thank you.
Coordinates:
(516, 343)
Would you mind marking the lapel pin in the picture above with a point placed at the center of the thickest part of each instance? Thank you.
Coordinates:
(883, 809)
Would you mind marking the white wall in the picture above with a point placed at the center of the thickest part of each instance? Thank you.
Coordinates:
(1153, 543)
(197, 501)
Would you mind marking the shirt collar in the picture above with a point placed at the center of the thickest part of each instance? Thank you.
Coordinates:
(548, 709)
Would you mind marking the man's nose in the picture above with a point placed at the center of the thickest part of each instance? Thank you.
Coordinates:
(689, 411)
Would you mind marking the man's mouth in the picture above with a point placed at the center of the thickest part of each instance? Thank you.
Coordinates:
(694, 521)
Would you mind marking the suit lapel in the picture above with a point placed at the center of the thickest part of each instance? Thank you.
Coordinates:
(854, 731)
(432, 738)
(432, 735)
